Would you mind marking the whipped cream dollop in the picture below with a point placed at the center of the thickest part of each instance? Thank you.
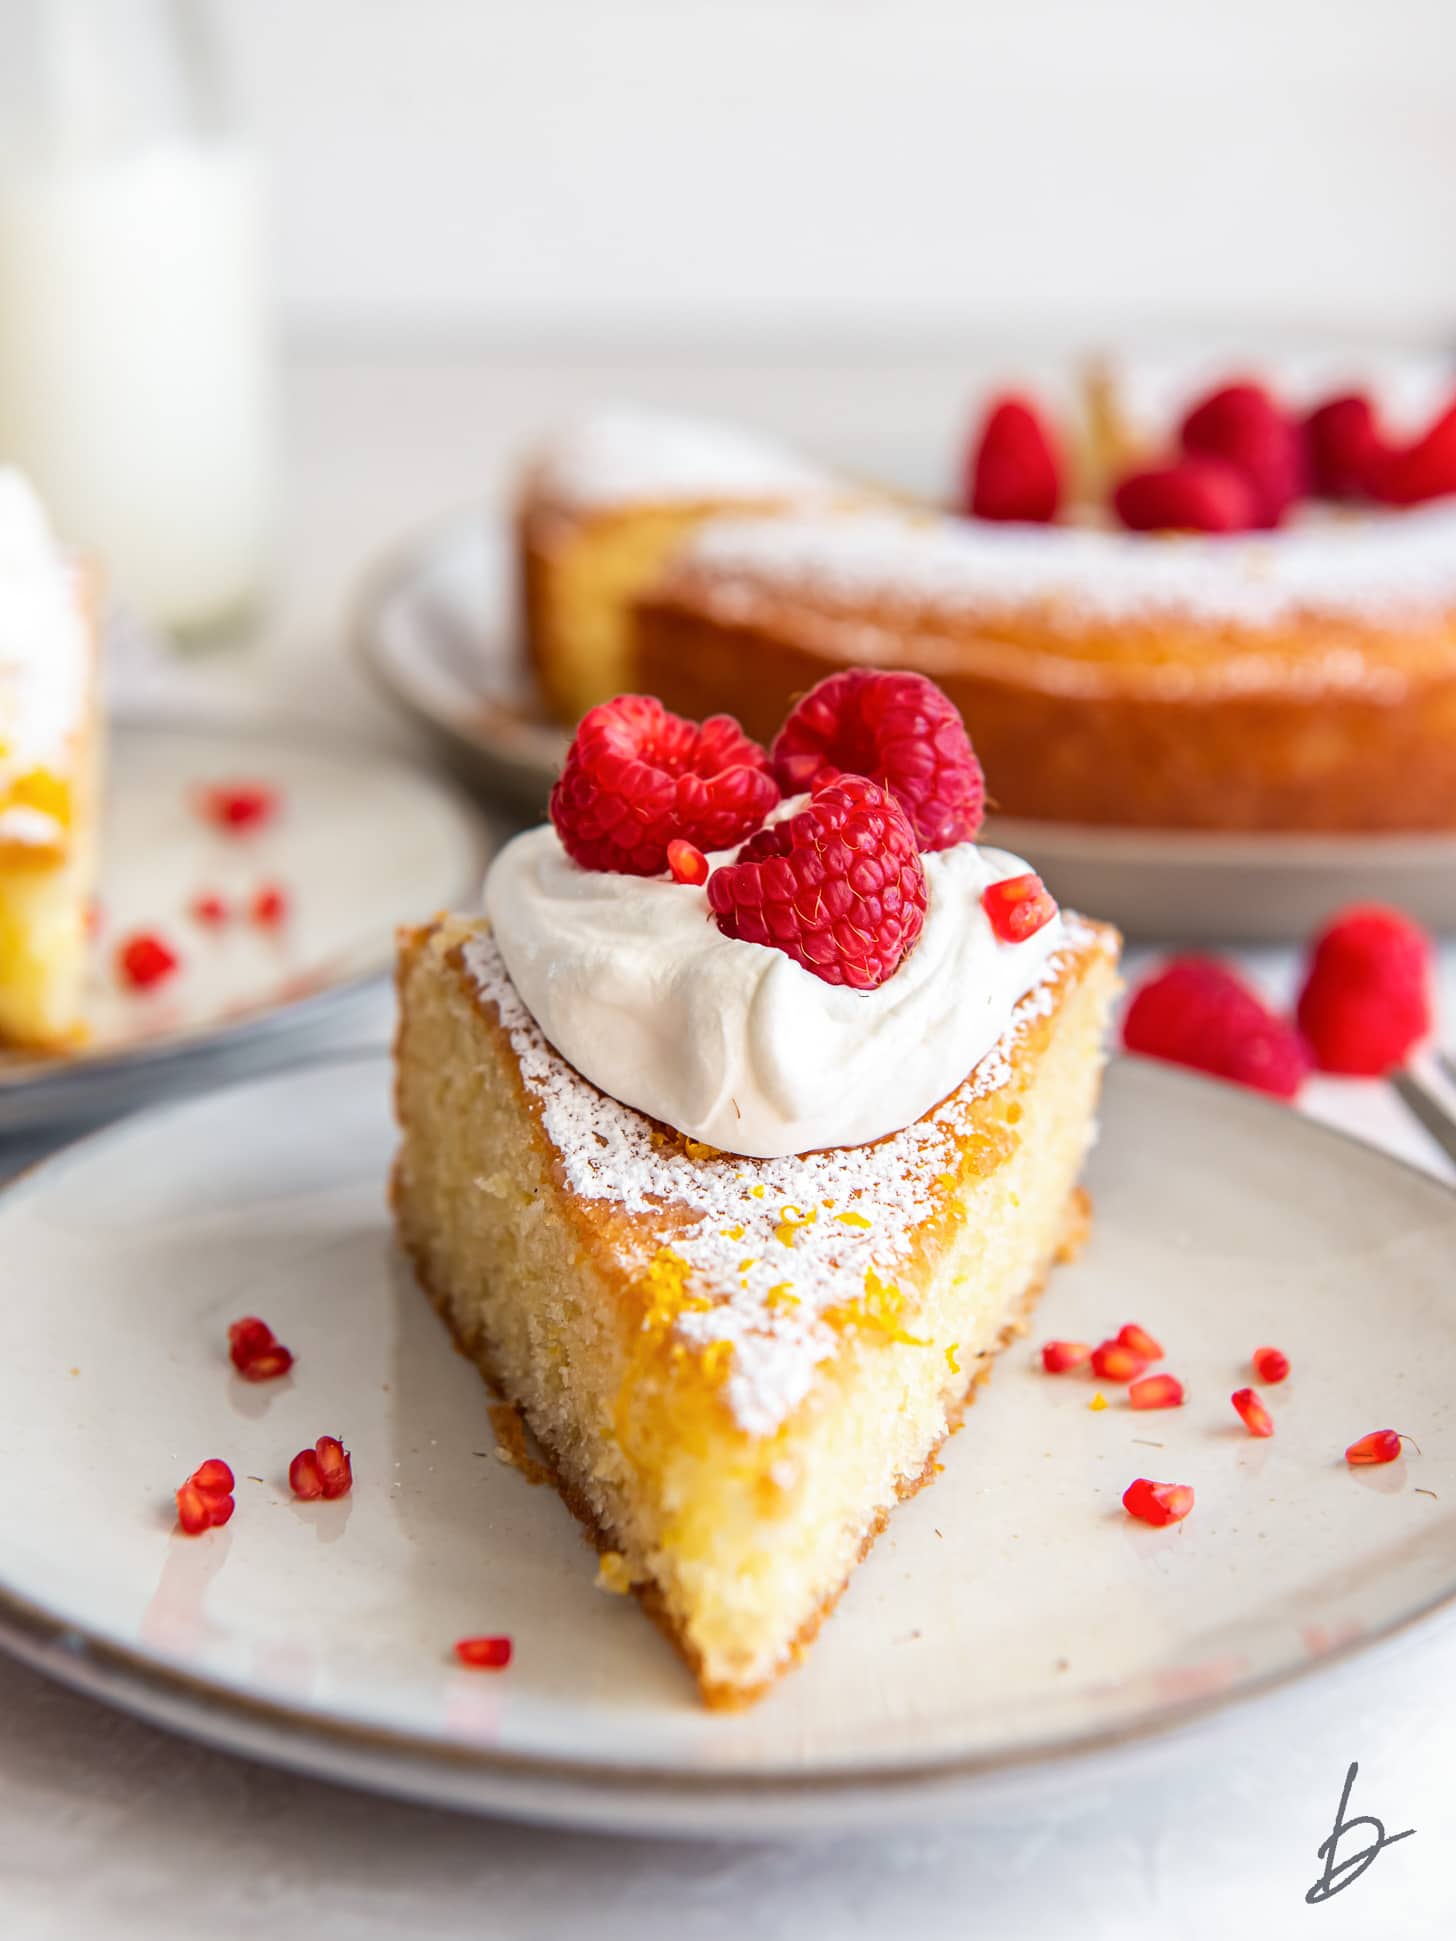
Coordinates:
(734, 1043)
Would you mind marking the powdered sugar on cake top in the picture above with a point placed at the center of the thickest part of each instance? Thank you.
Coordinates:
(770, 1244)
(1359, 568)
(625, 456)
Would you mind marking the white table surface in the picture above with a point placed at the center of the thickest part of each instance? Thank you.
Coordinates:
(109, 1828)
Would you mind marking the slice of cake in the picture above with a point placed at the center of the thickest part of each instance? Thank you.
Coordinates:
(49, 761)
(602, 507)
(738, 1224)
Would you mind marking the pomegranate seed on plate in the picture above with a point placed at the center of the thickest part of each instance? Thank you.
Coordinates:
(1251, 1412)
(1271, 1365)
(1156, 1392)
(484, 1654)
(1157, 1503)
(1058, 1356)
(1381, 1445)
(1140, 1341)
(1115, 1362)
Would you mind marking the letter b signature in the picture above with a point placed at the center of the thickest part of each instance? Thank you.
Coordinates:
(1340, 1874)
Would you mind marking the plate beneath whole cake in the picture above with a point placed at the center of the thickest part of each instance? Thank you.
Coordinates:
(435, 625)
(357, 841)
(1012, 1631)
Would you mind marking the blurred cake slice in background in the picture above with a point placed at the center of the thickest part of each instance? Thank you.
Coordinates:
(602, 506)
(49, 765)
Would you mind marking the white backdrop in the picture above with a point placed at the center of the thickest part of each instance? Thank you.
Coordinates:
(876, 168)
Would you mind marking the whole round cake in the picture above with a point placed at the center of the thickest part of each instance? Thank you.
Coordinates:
(1204, 600)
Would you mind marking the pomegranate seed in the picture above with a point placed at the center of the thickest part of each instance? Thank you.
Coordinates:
(1381, 1445)
(1157, 1503)
(209, 908)
(247, 1338)
(1251, 1412)
(144, 959)
(269, 907)
(1058, 1356)
(1156, 1392)
(686, 861)
(268, 1366)
(325, 1470)
(335, 1466)
(194, 1512)
(1115, 1362)
(257, 1353)
(205, 1502)
(214, 1478)
(1271, 1365)
(1140, 1341)
(484, 1654)
(238, 806)
(1018, 906)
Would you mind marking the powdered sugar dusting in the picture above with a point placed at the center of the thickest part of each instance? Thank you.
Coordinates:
(767, 1243)
(1370, 569)
(625, 456)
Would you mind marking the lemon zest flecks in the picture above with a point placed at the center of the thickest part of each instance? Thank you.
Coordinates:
(732, 1233)
(879, 1309)
(853, 1220)
(1099, 1401)
(953, 1359)
(791, 1220)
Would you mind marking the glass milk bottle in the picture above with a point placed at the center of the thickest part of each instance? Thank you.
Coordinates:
(136, 372)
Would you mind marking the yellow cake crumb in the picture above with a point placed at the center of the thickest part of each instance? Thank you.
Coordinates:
(614, 1573)
(1099, 1401)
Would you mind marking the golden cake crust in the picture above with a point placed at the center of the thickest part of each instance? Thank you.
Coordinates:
(1318, 724)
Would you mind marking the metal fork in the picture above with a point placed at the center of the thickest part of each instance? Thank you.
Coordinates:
(1427, 1089)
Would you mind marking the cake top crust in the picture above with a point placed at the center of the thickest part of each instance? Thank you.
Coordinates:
(764, 1250)
(626, 456)
(1366, 570)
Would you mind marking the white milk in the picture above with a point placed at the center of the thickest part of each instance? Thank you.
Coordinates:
(135, 367)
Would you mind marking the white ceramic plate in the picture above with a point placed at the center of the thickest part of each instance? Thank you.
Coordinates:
(436, 627)
(1012, 1623)
(361, 842)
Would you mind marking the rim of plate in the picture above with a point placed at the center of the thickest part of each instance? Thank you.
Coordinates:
(318, 1743)
(504, 736)
(537, 746)
(66, 1070)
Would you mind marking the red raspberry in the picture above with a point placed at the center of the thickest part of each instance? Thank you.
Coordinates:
(1196, 1012)
(1342, 446)
(1241, 424)
(637, 777)
(1424, 469)
(840, 886)
(1012, 467)
(1366, 1002)
(1193, 495)
(901, 731)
